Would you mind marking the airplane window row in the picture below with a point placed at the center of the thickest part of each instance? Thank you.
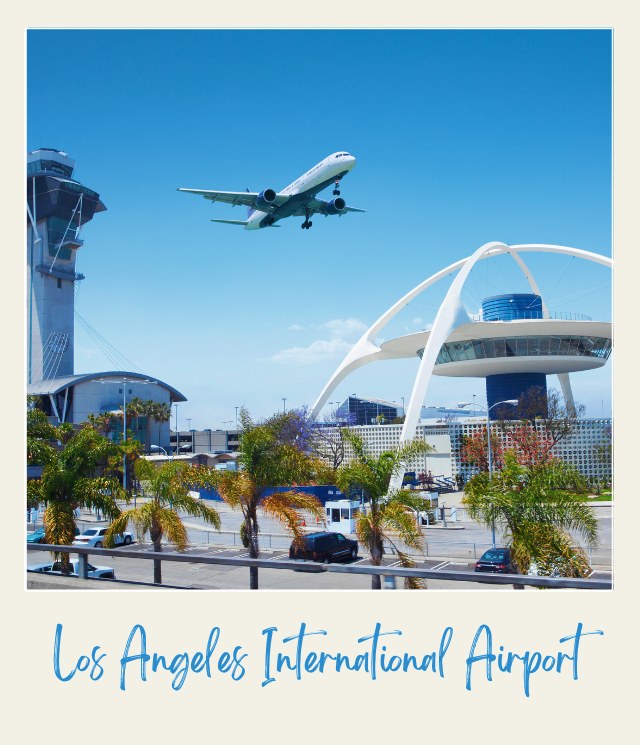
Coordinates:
(341, 155)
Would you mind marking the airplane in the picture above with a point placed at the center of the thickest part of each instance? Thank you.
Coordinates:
(265, 208)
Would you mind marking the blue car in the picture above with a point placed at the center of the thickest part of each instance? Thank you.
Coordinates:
(38, 535)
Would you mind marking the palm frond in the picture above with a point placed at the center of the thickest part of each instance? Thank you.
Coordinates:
(398, 522)
(173, 528)
(59, 525)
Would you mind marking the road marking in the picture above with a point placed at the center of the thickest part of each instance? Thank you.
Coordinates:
(278, 557)
(394, 564)
(439, 566)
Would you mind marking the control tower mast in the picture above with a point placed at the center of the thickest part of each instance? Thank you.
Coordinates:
(57, 207)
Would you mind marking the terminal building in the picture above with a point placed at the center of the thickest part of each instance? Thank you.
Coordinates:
(58, 206)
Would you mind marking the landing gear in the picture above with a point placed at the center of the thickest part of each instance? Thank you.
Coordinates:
(336, 191)
(307, 223)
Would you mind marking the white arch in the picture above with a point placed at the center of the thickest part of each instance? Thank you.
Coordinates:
(451, 314)
(365, 350)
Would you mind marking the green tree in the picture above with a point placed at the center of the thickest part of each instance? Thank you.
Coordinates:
(390, 516)
(168, 489)
(270, 454)
(159, 413)
(535, 507)
(77, 471)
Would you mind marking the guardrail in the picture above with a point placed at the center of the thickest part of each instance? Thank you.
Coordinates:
(518, 580)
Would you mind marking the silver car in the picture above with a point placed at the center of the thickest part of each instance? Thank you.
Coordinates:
(56, 568)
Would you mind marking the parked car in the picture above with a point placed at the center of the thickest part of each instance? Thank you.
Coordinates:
(497, 561)
(94, 537)
(324, 547)
(56, 568)
(38, 535)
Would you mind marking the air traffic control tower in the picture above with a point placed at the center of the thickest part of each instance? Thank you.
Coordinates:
(57, 207)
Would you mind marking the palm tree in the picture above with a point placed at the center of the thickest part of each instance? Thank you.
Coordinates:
(168, 487)
(389, 516)
(160, 413)
(269, 456)
(535, 507)
(77, 472)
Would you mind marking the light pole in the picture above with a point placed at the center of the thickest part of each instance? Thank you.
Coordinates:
(284, 405)
(226, 433)
(237, 407)
(124, 382)
(511, 402)
(159, 447)
(177, 449)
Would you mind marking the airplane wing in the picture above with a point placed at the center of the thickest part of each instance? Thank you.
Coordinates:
(246, 198)
(240, 222)
(320, 207)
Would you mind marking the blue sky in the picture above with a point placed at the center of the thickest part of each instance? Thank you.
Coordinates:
(462, 137)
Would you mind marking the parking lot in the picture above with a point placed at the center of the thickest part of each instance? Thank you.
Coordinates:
(455, 548)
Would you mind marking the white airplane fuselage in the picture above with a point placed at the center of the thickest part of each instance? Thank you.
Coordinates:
(323, 174)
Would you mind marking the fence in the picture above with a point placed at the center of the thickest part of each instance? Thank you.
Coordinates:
(434, 548)
(389, 573)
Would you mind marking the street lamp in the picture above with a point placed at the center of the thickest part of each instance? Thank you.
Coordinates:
(284, 405)
(158, 447)
(510, 402)
(177, 449)
(124, 382)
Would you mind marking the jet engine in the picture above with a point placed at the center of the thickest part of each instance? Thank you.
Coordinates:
(265, 200)
(336, 206)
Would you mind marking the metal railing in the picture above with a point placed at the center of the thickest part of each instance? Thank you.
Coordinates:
(519, 581)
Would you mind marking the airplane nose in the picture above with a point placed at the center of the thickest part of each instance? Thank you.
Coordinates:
(351, 161)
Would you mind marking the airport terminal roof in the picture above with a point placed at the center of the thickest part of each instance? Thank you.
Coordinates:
(57, 385)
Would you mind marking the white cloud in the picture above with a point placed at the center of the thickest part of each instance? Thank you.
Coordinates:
(341, 332)
(417, 321)
(316, 352)
(344, 327)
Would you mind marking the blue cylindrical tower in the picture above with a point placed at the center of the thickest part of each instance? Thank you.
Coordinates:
(512, 307)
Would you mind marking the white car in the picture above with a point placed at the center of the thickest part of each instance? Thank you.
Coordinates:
(56, 568)
(94, 537)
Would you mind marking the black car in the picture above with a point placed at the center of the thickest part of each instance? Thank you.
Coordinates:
(324, 547)
(497, 561)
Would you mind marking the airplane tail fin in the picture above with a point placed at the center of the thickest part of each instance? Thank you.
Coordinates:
(250, 210)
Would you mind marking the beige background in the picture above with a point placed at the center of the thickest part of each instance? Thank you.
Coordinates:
(335, 707)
